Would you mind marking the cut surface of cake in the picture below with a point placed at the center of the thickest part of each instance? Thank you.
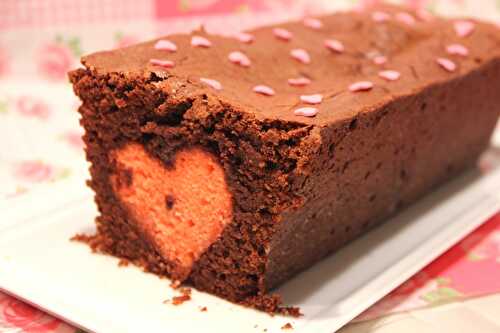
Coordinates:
(233, 163)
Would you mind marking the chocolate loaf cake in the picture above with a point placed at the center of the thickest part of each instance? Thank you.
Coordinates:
(233, 163)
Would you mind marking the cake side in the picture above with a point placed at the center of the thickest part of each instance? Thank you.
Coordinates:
(226, 188)
(375, 164)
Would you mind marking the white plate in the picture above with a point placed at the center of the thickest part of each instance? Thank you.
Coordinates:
(39, 264)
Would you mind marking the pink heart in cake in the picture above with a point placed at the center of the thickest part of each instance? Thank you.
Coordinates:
(180, 209)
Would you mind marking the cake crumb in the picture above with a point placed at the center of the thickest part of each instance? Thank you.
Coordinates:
(123, 263)
(95, 242)
(184, 297)
(185, 291)
(178, 300)
(287, 326)
(175, 284)
(272, 304)
(203, 309)
(169, 201)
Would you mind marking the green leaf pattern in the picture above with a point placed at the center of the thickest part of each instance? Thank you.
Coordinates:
(73, 43)
(441, 295)
(3, 106)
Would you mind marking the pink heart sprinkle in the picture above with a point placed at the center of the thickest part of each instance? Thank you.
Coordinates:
(312, 99)
(379, 17)
(389, 75)
(212, 83)
(361, 86)
(301, 55)
(457, 49)
(334, 45)
(245, 37)
(405, 18)
(447, 64)
(239, 58)
(264, 90)
(464, 28)
(162, 63)
(424, 15)
(282, 34)
(379, 60)
(200, 41)
(313, 23)
(165, 45)
(306, 112)
(360, 7)
(299, 82)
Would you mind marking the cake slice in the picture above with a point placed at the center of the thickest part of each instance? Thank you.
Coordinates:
(233, 163)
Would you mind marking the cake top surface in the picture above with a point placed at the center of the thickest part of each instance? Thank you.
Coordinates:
(314, 71)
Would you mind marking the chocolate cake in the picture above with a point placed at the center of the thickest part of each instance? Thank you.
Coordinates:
(233, 163)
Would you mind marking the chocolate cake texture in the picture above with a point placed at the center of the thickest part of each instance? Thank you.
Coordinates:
(233, 163)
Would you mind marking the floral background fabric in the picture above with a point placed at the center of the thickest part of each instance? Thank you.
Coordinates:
(470, 268)
(41, 139)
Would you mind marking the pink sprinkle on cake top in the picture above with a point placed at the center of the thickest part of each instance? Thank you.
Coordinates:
(299, 81)
(380, 17)
(389, 75)
(199, 41)
(447, 64)
(424, 15)
(301, 55)
(360, 7)
(165, 45)
(239, 58)
(334, 45)
(212, 83)
(312, 99)
(379, 60)
(457, 49)
(306, 111)
(245, 37)
(313, 23)
(464, 28)
(406, 18)
(264, 90)
(282, 34)
(162, 63)
(361, 86)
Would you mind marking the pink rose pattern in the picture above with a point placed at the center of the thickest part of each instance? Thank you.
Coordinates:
(30, 106)
(55, 60)
(18, 315)
(74, 139)
(34, 171)
(470, 268)
(177, 8)
(4, 62)
(416, 4)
